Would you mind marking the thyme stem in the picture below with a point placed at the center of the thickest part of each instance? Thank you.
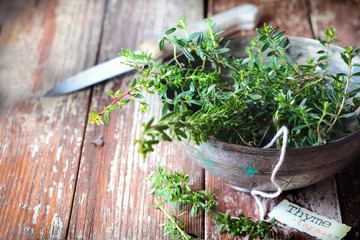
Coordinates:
(344, 98)
(183, 234)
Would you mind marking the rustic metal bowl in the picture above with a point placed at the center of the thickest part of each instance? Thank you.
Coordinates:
(250, 168)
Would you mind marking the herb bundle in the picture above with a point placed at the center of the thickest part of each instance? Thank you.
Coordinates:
(174, 188)
(207, 92)
(239, 100)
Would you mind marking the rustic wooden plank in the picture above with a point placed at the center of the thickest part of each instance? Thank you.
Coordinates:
(112, 200)
(345, 18)
(348, 182)
(318, 197)
(41, 43)
(293, 17)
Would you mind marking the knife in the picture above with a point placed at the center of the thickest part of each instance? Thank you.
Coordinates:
(243, 17)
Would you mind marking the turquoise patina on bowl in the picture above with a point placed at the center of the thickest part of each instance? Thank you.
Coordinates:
(250, 168)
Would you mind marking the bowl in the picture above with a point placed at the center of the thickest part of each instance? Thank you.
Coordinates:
(251, 168)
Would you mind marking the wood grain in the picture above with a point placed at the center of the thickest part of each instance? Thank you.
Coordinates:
(293, 17)
(112, 200)
(41, 43)
(62, 178)
(344, 16)
(320, 198)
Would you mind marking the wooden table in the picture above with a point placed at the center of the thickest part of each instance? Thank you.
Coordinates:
(56, 183)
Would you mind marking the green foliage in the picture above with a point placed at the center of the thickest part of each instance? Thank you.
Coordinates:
(242, 225)
(174, 189)
(173, 225)
(240, 100)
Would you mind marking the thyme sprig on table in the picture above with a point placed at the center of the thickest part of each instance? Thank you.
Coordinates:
(239, 100)
(173, 188)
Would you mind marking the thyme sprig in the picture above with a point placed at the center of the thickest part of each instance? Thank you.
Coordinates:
(174, 189)
(260, 92)
(210, 93)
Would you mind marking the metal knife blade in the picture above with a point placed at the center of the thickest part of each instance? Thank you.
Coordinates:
(90, 76)
(243, 17)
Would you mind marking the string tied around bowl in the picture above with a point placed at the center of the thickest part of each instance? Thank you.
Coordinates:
(256, 193)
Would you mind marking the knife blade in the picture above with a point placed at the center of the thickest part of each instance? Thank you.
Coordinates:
(243, 17)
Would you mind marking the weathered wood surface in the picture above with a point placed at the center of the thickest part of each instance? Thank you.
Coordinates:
(57, 181)
(41, 139)
(291, 15)
(112, 199)
(345, 18)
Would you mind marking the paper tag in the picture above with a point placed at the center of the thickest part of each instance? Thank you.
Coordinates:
(308, 222)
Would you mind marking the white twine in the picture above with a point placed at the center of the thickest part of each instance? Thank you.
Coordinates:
(255, 193)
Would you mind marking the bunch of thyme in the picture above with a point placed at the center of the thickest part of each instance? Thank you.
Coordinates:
(239, 100)
(173, 188)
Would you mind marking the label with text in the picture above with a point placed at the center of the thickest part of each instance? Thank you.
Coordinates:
(308, 222)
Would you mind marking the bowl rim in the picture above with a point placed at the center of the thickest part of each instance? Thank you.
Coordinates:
(289, 151)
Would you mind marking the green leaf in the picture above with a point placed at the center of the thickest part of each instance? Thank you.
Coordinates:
(259, 31)
(347, 115)
(344, 58)
(167, 115)
(322, 58)
(133, 83)
(357, 74)
(314, 116)
(191, 37)
(271, 53)
(186, 113)
(200, 38)
(279, 35)
(148, 124)
(265, 46)
(160, 128)
(180, 133)
(178, 42)
(246, 60)
(221, 50)
(188, 55)
(106, 117)
(170, 31)
(256, 96)
(166, 137)
(195, 115)
(298, 128)
(356, 101)
(165, 108)
(353, 93)
(262, 38)
(138, 95)
(334, 97)
(192, 87)
(192, 212)
(274, 30)
(112, 107)
(161, 44)
(211, 88)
